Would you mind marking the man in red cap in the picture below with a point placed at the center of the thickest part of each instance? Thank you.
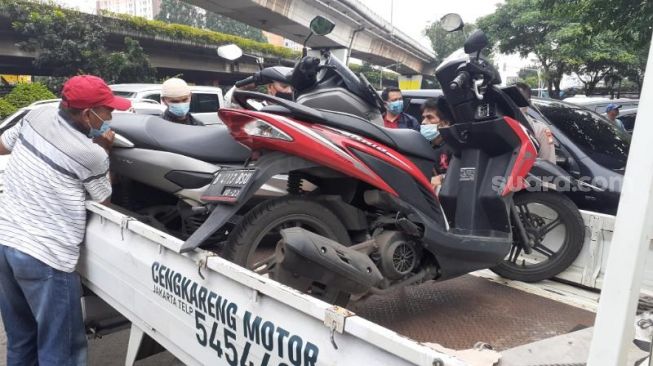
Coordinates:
(59, 159)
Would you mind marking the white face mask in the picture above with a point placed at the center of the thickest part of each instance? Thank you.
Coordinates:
(97, 132)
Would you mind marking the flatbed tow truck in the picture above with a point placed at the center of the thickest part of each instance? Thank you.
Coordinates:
(208, 311)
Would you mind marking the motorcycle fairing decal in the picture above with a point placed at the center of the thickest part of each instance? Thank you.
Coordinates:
(307, 143)
(349, 140)
(523, 163)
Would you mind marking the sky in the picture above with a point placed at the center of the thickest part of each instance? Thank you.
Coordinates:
(412, 16)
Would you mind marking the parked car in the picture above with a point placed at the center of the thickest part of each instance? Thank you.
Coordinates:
(598, 104)
(204, 104)
(588, 146)
(627, 117)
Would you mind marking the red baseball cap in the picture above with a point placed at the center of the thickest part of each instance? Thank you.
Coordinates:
(88, 91)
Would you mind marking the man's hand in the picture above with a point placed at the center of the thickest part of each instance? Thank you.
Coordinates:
(436, 181)
(106, 140)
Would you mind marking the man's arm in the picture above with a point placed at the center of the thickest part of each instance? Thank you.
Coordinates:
(9, 137)
(3, 149)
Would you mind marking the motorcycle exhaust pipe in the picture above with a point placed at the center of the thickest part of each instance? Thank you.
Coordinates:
(323, 260)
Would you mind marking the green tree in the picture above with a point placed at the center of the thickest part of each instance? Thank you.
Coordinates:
(373, 75)
(68, 43)
(65, 45)
(522, 26)
(130, 65)
(223, 24)
(529, 76)
(444, 43)
(595, 56)
(632, 20)
(175, 11)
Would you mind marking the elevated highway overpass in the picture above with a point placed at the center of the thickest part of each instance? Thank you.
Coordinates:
(370, 37)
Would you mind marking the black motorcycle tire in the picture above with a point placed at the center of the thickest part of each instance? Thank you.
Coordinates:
(267, 215)
(573, 243)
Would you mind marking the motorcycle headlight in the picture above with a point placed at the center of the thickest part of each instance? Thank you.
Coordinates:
(261, 128)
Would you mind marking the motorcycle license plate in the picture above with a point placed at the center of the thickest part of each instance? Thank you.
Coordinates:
(229, 185)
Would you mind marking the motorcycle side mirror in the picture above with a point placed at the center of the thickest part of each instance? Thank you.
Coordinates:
(230, 52)
(321, 26)
(451, 22)
(476, 42)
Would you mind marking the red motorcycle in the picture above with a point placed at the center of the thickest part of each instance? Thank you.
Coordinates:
(360, 215)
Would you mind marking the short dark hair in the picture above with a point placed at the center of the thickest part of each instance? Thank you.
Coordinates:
(524, 88)
(387, 91)
(430, 103)
(440, 106)
(70, 111)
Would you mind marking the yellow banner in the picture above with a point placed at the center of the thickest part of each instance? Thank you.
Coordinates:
(410, 82)
(15, 79)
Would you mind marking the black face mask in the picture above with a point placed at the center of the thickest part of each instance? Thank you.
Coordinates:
(282, 95)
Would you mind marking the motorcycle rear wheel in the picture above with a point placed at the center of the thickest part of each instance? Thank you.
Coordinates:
(542, 215)
(252, 242)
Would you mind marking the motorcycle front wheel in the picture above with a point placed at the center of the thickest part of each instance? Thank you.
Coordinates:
(253, 241)
(555, 227)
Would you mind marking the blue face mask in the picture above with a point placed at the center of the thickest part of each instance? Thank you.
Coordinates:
(430, 132)
(396, 107)
(97, 132)
(179, 109)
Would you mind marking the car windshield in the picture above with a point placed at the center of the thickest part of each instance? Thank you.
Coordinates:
(124, 94)
(596, 136)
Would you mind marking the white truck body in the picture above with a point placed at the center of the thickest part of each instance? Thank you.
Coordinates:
(206, 310)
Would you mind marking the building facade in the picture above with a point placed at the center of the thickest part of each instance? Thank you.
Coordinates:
(141, 8)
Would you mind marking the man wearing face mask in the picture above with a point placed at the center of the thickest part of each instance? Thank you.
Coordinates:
(175, 94)
(395, 116)
(58, 161)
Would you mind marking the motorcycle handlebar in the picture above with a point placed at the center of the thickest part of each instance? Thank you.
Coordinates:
(460, 80)
(249, 80)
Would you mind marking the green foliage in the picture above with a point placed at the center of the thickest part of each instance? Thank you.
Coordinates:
(179, 12)
(444, 43)
(631, 20)
(156, 28)
(373, 75)
(130, 65)
(622, 29)
(69, 43)
(563, 39)
(25, 94)
(175, 11)
(223, 24)
(529, 76)
(6, 108)
(65, 44)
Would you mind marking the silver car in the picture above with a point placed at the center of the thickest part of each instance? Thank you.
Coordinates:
(204, 104)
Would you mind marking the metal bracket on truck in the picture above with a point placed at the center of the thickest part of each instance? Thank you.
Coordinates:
(206, 310)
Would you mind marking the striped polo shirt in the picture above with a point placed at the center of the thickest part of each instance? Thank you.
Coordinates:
(52, 170)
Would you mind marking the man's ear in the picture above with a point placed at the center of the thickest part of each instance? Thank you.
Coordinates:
(85, 115)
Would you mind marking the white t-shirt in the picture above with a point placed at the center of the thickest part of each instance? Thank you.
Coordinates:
(53, 168)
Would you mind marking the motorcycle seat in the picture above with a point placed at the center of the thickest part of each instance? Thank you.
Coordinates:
(208, 143)
(407, 141)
